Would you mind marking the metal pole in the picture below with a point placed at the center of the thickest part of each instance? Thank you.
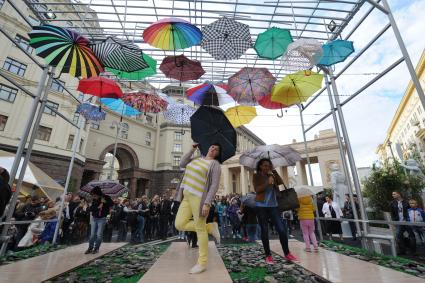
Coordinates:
(25, 162)
(68, 176)
(115, 151)
(342, 155)
(349, 153)
(406, 56)
(316, 207)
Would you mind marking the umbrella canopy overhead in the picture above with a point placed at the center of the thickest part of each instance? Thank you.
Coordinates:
(172, 34)
(335, 52)
(209, 125)
(145, 102)
(179, 113)
(297, 88)
(250, 85)
(139, 74)
(108, 187)
(65, 49)
(91, 112)
(240, 115)
(280, 155)
(226, 39)
(208, 94)
(272, 43)
(304, 190)
(100, 87)
(119, 107)
(119, 54)
(181, 68)
(302, 54)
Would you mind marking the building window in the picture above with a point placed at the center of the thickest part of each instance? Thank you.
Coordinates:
(3, 122)
(124, 131)
(44, 133)
(57, 85)
(23, 42)
(177, 147)
(178, 136)
(7, 93)
(76, 118)
(419, 110)
(80, 148)
(149, 119)
(14, 66)
(51, 106)
(176, 161)
(70, 142)
(95, 125)
(148, 138)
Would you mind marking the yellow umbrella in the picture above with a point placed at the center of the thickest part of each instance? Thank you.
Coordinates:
(297, 87)
(240, 115)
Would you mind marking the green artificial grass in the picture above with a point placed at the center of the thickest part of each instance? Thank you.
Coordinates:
(133, 279)
(255, 274)
(30, 252)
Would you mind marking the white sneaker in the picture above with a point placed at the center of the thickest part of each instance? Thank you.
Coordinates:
(215, 232)
(197, 269)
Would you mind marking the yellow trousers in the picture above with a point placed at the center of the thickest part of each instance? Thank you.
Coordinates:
(189, 207)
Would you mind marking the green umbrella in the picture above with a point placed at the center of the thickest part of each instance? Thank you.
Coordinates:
(272, 43)
(137, 75)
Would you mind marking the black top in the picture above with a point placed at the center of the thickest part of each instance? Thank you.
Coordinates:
(99, 211)
(394, 210)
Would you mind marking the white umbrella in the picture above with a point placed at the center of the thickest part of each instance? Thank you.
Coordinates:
(304, 190)
(302, 54)
(280, 155)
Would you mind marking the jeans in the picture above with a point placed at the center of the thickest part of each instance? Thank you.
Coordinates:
(400, 238)
(96, 232)
(272, 213)
(252, 232)
(140, 228)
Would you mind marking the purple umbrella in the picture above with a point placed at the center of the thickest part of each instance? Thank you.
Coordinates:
(110, 188)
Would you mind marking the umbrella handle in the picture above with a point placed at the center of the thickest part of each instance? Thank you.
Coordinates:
(281, 113)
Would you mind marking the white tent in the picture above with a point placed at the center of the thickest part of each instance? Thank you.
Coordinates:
(35, 180)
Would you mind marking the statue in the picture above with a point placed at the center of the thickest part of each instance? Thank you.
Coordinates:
(338, 185)
(412, 168)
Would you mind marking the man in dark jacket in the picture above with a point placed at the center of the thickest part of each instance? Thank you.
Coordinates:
(5, 191)
(164, 215)
(399, 208)
(349, 213)
(100, 207)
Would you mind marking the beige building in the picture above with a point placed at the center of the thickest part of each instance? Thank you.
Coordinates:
(406, 133)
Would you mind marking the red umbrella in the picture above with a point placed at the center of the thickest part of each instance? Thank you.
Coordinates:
(181, 68)
(100, 87)
(266, 102)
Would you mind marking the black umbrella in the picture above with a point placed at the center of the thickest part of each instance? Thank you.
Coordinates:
(209, 125)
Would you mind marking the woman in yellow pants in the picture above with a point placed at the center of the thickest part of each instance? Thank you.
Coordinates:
(197, 190)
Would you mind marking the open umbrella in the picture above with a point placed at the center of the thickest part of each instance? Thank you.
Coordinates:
(250, 84)
(302, 54)
(335, 52)
(172, 34)
(65, 49)
(91, 112)
(108, 187)
(267, 103)
(209, 125)
(100, 87)
(280, 155)
(304, 190)
(145, 102)
(179, 113)
(272, 43)
(118, 106)
(226, 39)
(296, 88)
(208, 94)
(240, 115)
(181, 68)
(139, 74)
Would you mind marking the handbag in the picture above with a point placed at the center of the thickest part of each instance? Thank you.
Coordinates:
(287, 199)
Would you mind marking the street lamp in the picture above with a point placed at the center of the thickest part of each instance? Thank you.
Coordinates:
(118, 126)
(389, 143)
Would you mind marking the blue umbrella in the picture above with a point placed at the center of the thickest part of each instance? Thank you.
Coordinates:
(335, 52)
(91, 112)
(118, 106)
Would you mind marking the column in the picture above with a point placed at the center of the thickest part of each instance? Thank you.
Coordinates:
(283, 172)
(301, 176)
(243, 181)
(226, 180)
(133, 187)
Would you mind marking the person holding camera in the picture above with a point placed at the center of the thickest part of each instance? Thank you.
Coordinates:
(29, 212)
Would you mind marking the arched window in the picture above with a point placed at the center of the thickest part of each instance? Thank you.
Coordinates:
(124, 131)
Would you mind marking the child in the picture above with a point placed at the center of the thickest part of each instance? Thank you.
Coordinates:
(416, 214)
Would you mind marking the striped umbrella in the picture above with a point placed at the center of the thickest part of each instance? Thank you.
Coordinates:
(145, 102)
(209, 94)
(65, 49)
(172, 34)
(120, 54)
(139, 74)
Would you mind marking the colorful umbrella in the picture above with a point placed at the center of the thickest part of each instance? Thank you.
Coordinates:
(240, 115)
(91, 112)
(335, 52)
(181, 68)
(118, 106)
(65, 49)
(208, 94)
(272, 43)
(179, 113)
(172, 34)
(302, 54)
(226, 39)
(250, 84)
(108, 187)
(145, 102)
(267, 103)
(100, 87)
(120, 54)
(209, 125)
(280, 155)
(296, 88)
(140, 74)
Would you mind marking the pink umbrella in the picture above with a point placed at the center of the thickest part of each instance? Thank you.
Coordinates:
(145, 102)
